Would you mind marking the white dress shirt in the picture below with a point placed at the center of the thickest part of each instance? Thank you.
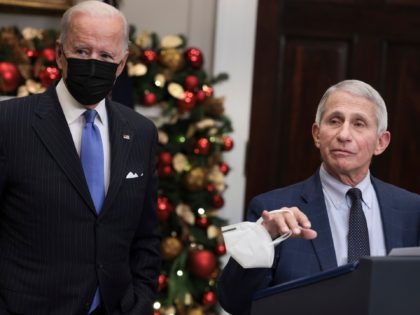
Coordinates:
(338, 208)
(73, 111)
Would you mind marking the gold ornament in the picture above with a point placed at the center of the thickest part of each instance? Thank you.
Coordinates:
(170, 248)
(143, 40)
(176, 90)
(195, 179)
(213, 232)
(179, 162)
(205, 123)
(160, 80)
(214, 106)
(171, 58)
(171, 41)
(30, 33)
(163, 137)
(185, 213)
(217, 178)
(195, 311)
(136, 70)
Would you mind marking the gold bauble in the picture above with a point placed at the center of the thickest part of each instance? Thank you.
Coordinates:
(179, 162)
(170, 248)
(171, 58)
(195, 311)
(195, 179)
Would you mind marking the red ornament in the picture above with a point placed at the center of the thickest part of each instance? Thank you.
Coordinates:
(191, 82)
(48, 54)
(200, 96)
(209, 298)
(202, 222)
(31, 53)
(149, 98)
(149, 56)
(165, 171)
(164, 208)
(202, 146)
(220, 249)
(162, 282)
(9, 77)
(227, 143)
(224, 168)
(165, 158)
(187, 103)
(217, 201)
(210, 188)
(194, 57)
(156, 312)
(201, 263)
(48, 75)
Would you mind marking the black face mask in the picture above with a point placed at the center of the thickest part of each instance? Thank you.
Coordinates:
(90, 80)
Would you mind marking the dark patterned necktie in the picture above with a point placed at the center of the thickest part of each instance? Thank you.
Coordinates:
(358, 238)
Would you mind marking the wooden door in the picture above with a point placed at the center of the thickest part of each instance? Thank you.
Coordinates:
(303, 47)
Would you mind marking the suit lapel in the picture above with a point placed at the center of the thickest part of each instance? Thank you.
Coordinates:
(390, 221)
(51, 127)
(121, 139)
(316, 211)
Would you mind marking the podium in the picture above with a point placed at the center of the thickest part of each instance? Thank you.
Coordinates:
(375, 286)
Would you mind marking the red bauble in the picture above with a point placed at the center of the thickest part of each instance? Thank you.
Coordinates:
(227, 143)
(187, 103)
(201, 263)
(164, 208)
(165, 158)
(48, 54)
(48, 75)
(209, 298)
(31, 53)
(9, 77)
(149, 98)
(200, 96)
(156, 312)
(191, 82)
(224, 168)
(162, 282)
(202, 222)
(149, 56)
(220, 249)
(217, 201)
(202, 146)
(210, 188)
(194, 57)
(165, 171)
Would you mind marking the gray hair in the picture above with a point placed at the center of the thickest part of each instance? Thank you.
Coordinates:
(96, 9)
(357, 88)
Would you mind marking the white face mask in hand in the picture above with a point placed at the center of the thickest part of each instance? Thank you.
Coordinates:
(250, 244)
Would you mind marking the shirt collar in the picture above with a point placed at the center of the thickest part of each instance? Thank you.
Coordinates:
(73, 109)
(337, 191)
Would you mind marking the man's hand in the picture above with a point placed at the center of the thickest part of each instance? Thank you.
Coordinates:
(282, 222)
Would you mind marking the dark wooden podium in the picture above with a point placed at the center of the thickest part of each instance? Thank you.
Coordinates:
(376, 286)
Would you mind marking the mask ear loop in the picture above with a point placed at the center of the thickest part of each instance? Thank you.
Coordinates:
(284, 236)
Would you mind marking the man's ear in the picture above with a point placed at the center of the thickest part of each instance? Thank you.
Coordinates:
(122, 64)
(315, 134)
(383, 141)
(58, 54)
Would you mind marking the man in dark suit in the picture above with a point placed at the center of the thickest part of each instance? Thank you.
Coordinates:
(349, 129)
(78, 226)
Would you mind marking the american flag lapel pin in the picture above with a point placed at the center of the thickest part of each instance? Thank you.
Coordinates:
(126, 137)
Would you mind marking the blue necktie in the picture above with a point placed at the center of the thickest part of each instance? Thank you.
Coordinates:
(92, 158)
(358, 238)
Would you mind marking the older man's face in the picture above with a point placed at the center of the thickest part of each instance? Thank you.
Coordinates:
(347, 136)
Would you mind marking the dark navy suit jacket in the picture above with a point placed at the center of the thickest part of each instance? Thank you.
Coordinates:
(54, 249)
(295, 258)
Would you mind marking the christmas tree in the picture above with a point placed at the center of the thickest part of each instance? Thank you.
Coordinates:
(167, 77)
